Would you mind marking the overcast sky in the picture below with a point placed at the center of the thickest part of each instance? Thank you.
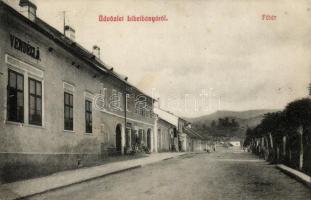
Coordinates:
(222, 47)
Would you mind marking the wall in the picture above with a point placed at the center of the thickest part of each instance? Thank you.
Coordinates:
(25, 146)
(165, 136)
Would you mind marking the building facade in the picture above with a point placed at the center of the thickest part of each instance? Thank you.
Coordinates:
(182, 136)
(166, 131)
(60, 105)
(175, 134)
(194, 141)
(167, 136)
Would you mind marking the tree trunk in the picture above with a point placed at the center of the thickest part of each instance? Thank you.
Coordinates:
(300, 132)
(271, 140)
(267, 148)
(284, 146)
(271, 147)
(263, 146)
(277, 154)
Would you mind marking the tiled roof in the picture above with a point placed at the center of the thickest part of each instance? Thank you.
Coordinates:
(69, 45)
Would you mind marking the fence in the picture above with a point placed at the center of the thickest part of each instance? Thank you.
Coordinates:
(293, 150)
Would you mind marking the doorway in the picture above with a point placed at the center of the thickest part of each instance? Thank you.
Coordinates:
(119, 139)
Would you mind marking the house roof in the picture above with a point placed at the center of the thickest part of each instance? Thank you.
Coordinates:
(69, 45)
(167, 122)
(194, 134)
(169, 112)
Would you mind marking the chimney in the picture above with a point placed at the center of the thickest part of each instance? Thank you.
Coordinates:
(28, 9)
(70, 32)
(158, 103)
(188, 125)
(96, 51)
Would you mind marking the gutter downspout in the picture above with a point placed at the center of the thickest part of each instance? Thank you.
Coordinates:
(125, 110)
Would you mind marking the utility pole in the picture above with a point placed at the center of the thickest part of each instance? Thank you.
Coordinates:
(64, 20)
(301, 152)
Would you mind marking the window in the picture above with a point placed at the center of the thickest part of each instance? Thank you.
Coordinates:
(88, 116)
(143, 112)
(35, 102)
(151, 114)
(68, 111)
(15, 99)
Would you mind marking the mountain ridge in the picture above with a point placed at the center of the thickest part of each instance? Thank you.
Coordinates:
(247, 114)
(245, 119)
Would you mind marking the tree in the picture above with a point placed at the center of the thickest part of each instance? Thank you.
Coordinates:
(288, 130)
(204, 126)
(220, 123)
(298, 113)
(213, 124)
(234, 123)
(226, 122)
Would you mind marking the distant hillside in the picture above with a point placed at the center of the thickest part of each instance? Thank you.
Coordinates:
(243, 115)
(249, 118)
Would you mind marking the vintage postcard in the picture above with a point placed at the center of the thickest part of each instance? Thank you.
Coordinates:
(155, 99)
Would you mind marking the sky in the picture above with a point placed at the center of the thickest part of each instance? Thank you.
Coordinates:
(210, 55)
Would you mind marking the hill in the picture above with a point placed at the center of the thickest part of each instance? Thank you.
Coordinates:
(243, 115)
(249, 118)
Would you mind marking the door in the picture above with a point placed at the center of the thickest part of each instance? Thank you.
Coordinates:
(118, 139)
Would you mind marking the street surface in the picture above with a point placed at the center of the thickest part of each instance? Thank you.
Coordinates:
(225, 174)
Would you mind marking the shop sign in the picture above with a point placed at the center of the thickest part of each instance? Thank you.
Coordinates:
(24, 47)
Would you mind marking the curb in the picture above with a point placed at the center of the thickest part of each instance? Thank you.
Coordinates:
(79, 182)
(164, 159)
(299, 176)
(167, 158)
(16, 196)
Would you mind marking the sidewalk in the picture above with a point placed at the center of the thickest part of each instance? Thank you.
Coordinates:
(22, 189)
(295, 174)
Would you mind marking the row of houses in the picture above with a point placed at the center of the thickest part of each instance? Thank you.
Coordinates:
(175, 134)
(61, 105)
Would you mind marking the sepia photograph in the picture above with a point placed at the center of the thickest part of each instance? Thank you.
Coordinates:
(155, 99)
